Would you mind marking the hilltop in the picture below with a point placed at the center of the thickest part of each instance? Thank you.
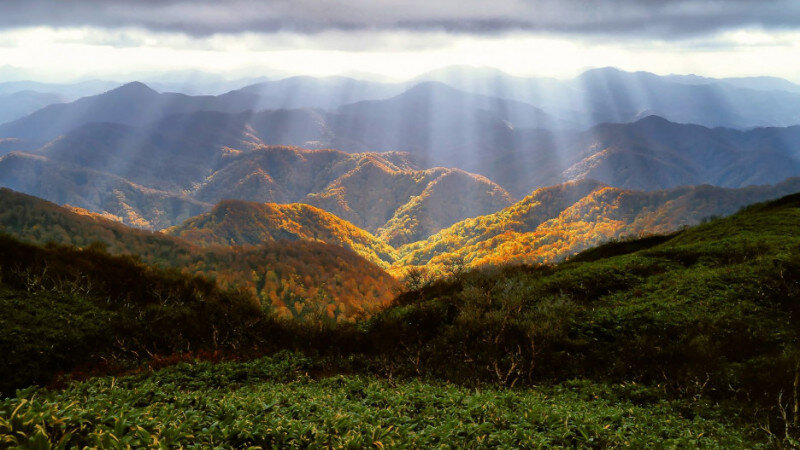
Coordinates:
(234, 222)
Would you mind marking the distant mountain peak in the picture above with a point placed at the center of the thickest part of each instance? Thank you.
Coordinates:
(427, 86)
(653, 119)
(601, 71)
(135, 88)
(463, 70)
(610, 69)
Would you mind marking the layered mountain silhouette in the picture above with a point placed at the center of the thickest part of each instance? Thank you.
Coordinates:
(551, 224)
(413, 160)
(159, 174)
(617, 96)
(377, 192)
(654, 153)
(181, 150)
(547, 226)
(65, 91)
(21, 103)
(298, 258)
(100, 192)
(326, 93)
(651, 153)
(612, 95)
(131, 104)
(435, 122)
(595, 96)
(160, 183)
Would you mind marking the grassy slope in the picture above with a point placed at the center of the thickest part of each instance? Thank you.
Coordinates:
(714, 305)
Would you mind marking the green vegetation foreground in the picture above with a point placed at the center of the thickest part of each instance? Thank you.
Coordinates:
(272, 402)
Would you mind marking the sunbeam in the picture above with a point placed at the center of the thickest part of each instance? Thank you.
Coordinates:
(399, 224)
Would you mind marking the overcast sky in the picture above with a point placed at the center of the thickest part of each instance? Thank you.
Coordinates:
(67, 39)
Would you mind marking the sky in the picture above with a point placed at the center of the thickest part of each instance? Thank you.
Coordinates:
(61, 40)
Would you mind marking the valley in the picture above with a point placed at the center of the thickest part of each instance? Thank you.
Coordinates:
(462, 258)
(215, 188)
(477, 328)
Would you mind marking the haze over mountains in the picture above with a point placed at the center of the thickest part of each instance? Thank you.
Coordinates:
(595, 96)
(205, 155)
(417, 172)
(521, 133)
(612, 95)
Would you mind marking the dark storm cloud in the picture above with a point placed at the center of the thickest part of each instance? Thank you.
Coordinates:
(664, 18)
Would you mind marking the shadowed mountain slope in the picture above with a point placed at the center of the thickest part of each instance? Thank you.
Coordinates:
(655, 153)
(200, 159)
(96, 191)
(19, 104)
(516, 144)
(130, 104)
(613, 95)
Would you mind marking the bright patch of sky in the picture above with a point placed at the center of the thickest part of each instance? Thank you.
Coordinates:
(61, 53)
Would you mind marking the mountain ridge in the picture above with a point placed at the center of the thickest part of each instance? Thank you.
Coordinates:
(556, 222)
(236, 222)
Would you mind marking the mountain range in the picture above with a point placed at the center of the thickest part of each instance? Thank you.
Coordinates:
(466, 227)
(612, 95)
(297, 259)
(547, 226)
(158, 182)
(595, 96)
(22, 103)
(521, 147)
(159, 174)
(426, 173)
(131, 104)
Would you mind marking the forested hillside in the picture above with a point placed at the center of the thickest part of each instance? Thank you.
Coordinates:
(702, 320)
(64, 307)
(235, 222)
(293, 278)
(556, 222)
(709, 310)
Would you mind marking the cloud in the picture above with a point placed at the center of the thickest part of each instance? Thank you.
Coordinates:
(646, 18)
